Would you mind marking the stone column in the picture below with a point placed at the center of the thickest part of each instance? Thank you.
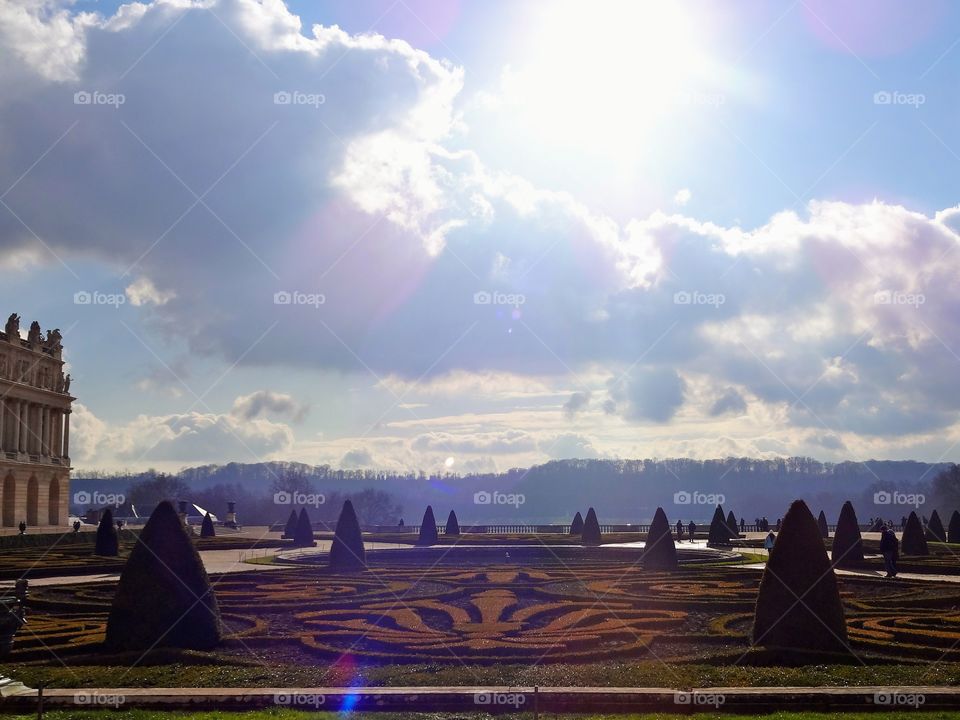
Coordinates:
(56, 425)
(3, 424)
(66, 434)
(33, 434)
(15, 425)
(45, 430)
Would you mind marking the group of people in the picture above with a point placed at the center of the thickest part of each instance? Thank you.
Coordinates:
(691, 529)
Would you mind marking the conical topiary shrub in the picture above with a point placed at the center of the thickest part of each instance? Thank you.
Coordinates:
(659, 552)
(346, 552)
(108, 542)
(303, 535)
(206, 527)
(719, 530)
(453, 525)
(576, 527)
(953, 530)
(428, 528)
(847, 548)
(822, 524)
(291, 527)
(935, 531)
(913, 542)
(798, 568)
(591, 529)
(732, 524)
(164, 598)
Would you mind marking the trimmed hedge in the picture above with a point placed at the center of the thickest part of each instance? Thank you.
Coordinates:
(164, 598)
(799, 568)
(291, 528)
(206, 527)
(935, 532)
(303, 534)
(428, 528)
(591, 529)
(719, 530)
(953, 530)
(347, 550)
(108, 539)
(732, 524)
(660, 552)
(847, 551)
(913, 541)
(822, 524)
(576, 527)
(453, 525)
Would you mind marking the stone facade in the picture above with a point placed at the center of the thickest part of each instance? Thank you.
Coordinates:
(34, 428)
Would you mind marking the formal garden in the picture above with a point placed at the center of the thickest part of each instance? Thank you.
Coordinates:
(572, 610)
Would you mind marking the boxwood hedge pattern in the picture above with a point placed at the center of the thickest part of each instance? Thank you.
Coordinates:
(564, 612)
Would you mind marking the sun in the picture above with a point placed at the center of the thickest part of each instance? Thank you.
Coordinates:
(604, 73)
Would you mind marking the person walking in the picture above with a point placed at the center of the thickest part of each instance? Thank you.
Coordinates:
(679, 530)
(691, 529)
(768, 542)
(743, 525)
(890, 549)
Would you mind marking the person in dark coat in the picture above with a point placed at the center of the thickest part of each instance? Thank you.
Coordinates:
(692, 529)
(890, 549)
(679, 530)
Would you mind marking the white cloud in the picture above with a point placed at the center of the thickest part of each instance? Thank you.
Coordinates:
(682, 197)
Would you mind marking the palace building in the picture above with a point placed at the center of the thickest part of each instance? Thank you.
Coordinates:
(34, 427)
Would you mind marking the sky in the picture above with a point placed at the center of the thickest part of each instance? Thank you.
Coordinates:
(465, 235)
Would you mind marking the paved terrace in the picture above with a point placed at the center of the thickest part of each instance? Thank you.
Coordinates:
(494, 699)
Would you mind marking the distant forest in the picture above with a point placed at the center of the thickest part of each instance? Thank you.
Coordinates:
(622, 491)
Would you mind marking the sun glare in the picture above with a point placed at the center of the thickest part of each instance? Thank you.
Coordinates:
(603, 73)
